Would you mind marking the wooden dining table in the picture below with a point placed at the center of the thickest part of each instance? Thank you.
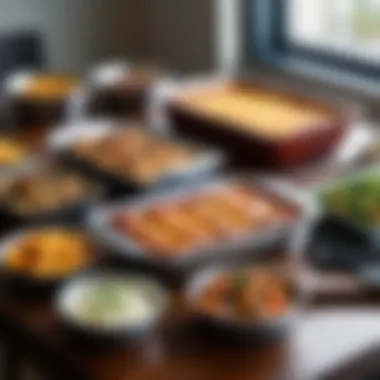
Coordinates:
(335, 335)
(332, 337)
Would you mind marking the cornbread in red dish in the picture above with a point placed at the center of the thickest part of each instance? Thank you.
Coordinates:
(258, 125)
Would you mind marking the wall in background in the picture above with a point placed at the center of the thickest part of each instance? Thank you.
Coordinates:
(180, 34)
(76, 32)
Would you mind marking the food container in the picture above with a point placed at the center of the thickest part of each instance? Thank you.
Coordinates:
(26, 284)
(103, 333)
(342, 237)
(258, 125)
(350, 210)
(15, 157)
(71, 212)
(205, 162)
(337, 257)
(10, 170)
(247, 329)
(236, 248)
(336, 245)
(117, 89)
(38, 98)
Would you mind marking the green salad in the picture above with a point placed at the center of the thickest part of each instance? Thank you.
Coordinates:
(357, 201)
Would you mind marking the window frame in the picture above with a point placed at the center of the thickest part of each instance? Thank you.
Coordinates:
(266, 43)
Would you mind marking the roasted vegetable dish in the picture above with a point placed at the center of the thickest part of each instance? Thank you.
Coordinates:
(49, 253)
(257, 295)
(357, 201)
(46, 191)
(217, 215)
(135, 154)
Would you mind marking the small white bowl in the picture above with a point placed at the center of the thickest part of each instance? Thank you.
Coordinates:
(109, 74)
(72, 293)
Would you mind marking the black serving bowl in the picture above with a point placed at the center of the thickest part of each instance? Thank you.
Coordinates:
(22, 111)
(27, 285)
(346, 180)
(252, 331)
(103, 335)
(336, 240)
(335, 244)
(73, 213)
(118, 89)
(117, 101)
(27, 112)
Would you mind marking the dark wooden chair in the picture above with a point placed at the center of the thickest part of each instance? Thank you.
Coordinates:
(20, 50)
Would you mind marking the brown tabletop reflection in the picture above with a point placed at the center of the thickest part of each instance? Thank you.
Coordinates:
(324, 340)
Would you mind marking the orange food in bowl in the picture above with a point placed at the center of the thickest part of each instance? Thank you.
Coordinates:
(49, 87)
(49, 253)
(246, 294)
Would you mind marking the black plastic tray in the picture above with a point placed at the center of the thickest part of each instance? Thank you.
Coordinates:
(253, 244)
(209, 160)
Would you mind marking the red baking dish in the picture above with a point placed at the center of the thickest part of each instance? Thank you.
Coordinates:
(258, 125)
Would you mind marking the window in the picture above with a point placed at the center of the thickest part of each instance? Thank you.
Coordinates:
(341, 33)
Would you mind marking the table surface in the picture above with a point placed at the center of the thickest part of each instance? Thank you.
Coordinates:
(327, 337)
(324, 339)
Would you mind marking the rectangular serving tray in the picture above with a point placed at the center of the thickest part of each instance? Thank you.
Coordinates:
(249, 147)
(60, 142)
(252, 244)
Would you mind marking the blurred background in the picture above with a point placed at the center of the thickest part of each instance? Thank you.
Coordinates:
(197, 35)
(75, 34)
